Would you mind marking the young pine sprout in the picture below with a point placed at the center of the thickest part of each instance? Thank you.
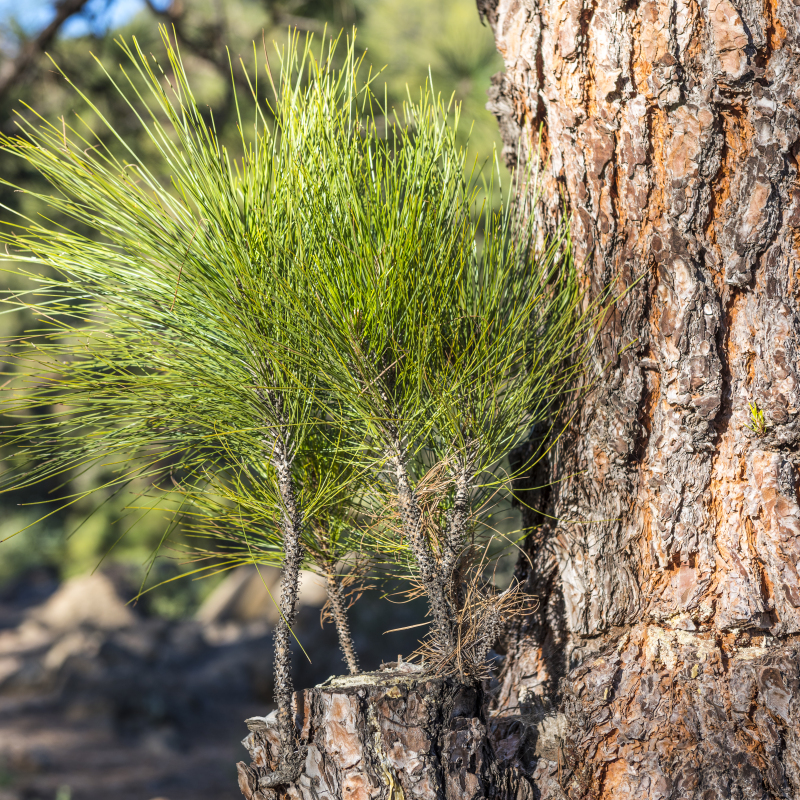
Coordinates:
(385, 222)
(161, 350)
(442, 331)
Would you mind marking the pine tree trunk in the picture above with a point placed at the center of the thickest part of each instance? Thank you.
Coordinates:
(664, 661)
(668, 630)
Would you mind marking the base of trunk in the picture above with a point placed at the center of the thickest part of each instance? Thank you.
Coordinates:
(656, 713)
(392, 734)
(652, 713)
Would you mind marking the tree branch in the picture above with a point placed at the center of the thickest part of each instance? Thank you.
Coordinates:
(339, 613)
(16, 70)
(411, 517)
(209, 45)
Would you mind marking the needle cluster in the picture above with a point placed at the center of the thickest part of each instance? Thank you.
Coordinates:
(322, 346)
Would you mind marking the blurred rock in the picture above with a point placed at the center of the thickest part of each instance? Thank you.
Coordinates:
(31, 588)
(248, 594)
(86, 600)
(75, 643)
(9, 665)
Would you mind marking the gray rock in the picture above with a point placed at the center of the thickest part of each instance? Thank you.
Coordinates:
(90, 600)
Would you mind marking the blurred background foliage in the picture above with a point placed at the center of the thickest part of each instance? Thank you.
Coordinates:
(443, 41)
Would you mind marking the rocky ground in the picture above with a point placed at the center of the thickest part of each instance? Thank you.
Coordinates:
(98, 701)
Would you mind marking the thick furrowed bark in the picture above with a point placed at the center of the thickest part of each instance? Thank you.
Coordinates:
(670, 131)
(339, 614)
(432, 579)
(662, 713)
(387, 735)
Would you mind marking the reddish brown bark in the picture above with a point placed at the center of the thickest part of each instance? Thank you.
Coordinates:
(669, 585)
(393, 735)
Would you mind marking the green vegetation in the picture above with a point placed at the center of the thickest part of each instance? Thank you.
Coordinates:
(758, 422)
(65, 541)
(319, 343)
